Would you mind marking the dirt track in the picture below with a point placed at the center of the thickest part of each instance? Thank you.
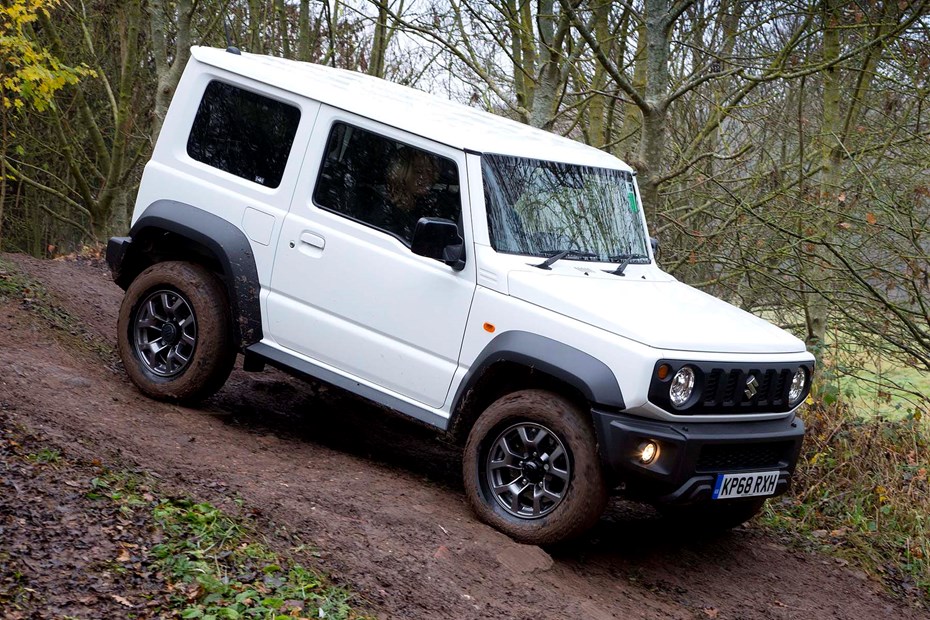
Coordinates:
(381, 498)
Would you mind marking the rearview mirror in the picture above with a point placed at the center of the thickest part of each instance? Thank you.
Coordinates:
(439, 239)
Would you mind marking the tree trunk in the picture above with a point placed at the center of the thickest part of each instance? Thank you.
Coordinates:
(549, 82)
(599, 102)
(3, 142)
(281, 12)
(830, 156)
(255, 27)
(632, 114)
(380, 42)
(652, 144)
(303, 31)
(168, 73)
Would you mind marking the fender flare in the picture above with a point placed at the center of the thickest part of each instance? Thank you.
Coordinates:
(227, 243)
(589, 375)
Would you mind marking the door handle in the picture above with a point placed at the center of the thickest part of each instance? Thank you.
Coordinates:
(313, 240)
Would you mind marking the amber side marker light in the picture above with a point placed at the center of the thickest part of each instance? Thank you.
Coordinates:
(489, 328)
(662, 372)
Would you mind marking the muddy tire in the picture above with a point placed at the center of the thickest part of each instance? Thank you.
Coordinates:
(711, 517)
(174, 332)
(532, 470)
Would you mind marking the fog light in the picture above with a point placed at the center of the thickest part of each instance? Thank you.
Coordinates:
(648, 452)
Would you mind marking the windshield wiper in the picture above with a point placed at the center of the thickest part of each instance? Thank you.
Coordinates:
(625, 260)
(559, 255)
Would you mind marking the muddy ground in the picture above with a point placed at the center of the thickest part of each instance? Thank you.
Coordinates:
(378, 500)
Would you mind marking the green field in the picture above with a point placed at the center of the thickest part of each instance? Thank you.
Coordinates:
(874, 385)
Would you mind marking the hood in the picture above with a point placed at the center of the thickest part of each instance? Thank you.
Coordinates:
(664, 314)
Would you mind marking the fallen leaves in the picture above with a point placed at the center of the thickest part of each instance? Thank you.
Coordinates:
(122, 600)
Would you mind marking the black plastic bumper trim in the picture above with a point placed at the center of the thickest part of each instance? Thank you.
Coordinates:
(676, 476)
(302, 368)
(117, 247)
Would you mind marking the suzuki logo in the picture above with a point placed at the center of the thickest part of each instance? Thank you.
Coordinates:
(752, 387)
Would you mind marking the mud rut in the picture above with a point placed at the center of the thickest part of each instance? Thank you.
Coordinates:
(380, 499)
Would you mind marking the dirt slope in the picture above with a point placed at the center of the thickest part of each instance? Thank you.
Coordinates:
(381, 498)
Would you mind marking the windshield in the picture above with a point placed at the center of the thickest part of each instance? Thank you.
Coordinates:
(542, 208)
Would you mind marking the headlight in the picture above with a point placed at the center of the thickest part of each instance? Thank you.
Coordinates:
(798, 383)
(682, 386)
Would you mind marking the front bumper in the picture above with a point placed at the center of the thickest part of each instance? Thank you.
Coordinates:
(692, 454)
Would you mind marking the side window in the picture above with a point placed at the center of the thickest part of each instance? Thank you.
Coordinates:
(384, 183)
(243, 133)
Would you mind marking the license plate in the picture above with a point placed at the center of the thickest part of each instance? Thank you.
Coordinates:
(752, 484)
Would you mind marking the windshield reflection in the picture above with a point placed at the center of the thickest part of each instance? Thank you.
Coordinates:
(542, 208)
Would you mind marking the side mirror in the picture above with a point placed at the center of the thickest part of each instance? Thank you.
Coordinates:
(438, 238)
(654, 242)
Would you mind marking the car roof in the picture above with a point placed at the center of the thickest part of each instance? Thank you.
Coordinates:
(406, 108)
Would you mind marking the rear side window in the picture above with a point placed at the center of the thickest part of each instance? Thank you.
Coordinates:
(384, 183)
(243, 133)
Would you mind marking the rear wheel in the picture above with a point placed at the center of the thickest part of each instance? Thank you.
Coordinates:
(174, 332)
(532, 470)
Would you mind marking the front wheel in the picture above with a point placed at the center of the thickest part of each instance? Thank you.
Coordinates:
(174, 333)
(532, 470)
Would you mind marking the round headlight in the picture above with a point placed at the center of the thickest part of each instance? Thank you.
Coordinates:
(682, 386)
(796, 391)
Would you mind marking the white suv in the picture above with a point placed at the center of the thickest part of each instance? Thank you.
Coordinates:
(492, 280)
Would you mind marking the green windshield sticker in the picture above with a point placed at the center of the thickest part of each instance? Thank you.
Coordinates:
(631, 196)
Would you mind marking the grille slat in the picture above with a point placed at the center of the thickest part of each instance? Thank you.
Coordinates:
(765, 394)
(710, 389)
(778, 389)
(732, 394)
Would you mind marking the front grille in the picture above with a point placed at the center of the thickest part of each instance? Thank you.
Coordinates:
(723, 388)
(726, 457)
(726, 388)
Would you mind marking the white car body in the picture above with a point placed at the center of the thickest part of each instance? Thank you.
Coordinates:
(426, 329)
(327, 290)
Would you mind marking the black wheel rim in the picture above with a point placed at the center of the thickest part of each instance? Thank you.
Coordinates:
(528, 470)
(164, 333)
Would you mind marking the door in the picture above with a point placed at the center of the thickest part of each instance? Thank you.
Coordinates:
(346, 290)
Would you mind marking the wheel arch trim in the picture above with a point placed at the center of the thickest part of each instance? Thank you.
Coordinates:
(584, 372)
(228, 245)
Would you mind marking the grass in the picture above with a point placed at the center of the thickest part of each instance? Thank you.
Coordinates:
(231, 576)
(45, 455)
(862, 493)
(177, 557)
(883, 389)
(216, 565)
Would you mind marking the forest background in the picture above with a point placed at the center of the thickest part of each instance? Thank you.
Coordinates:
(782, 148)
